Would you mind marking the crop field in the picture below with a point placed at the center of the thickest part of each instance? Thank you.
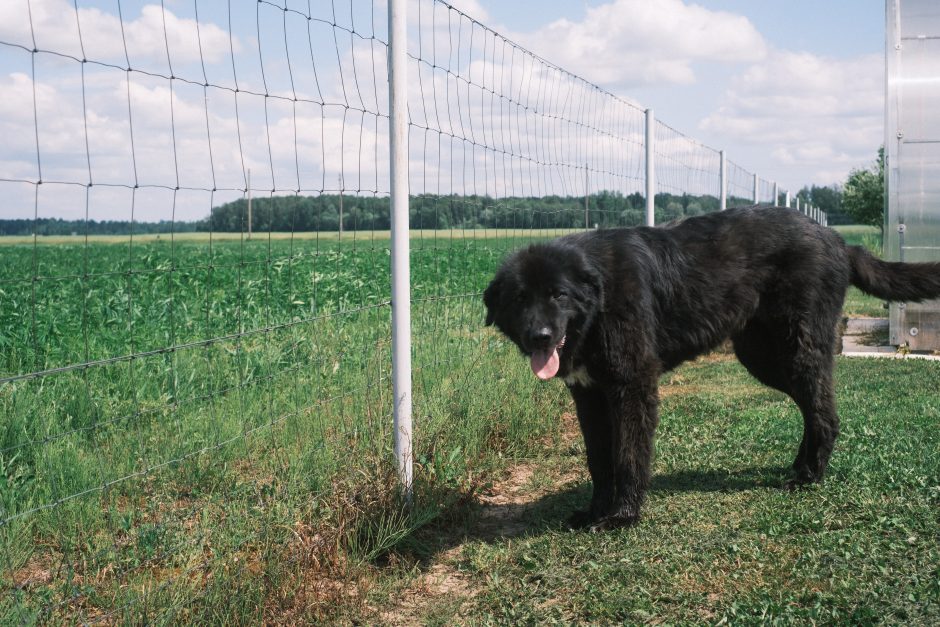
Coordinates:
(168, 403)
(199, 430)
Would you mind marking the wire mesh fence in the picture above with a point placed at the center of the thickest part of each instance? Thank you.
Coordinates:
(174, 396)
(765, 192)
(741, 190)
(688, 175)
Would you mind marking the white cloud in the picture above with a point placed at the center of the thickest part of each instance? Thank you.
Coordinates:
(95, 34)
(818, 114)
(627, 43)
(472, 8)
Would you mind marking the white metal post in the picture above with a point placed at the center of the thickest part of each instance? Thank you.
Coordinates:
(787, 200)
(401, 271)
(723, 169)
(249, 203)
(756, 190)
(776, 201)
(587, 196)
(650, 168)
(797, 203)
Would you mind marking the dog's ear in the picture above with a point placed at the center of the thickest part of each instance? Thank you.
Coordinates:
(491, 297)
(593, 280)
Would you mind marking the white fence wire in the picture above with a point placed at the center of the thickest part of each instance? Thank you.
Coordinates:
(225, 352)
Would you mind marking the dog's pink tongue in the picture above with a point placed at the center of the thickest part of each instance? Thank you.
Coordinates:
(545, 364)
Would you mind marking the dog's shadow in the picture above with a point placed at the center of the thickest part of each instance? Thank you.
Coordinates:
(494, 522)
(711, 480)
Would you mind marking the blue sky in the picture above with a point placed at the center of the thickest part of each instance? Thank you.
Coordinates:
(792, 90)
(828, 55)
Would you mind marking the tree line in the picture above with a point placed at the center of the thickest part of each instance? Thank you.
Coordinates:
(326, 212)
(58, 226)
(860, 201)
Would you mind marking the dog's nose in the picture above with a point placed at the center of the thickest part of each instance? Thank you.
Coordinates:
(541, 337)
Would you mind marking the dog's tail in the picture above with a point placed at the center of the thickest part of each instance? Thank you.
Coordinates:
(894, 281)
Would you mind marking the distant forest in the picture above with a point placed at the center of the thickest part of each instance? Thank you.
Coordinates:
(322, 213)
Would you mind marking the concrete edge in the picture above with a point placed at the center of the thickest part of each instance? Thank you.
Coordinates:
(894, 355)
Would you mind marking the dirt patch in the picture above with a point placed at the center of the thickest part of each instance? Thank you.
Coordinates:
(37, 571)
(502, 511)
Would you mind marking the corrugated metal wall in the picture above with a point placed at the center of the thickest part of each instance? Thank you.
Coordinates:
(912, 153)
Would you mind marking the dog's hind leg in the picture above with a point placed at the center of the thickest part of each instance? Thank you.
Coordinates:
(811, 380)
(800, 365)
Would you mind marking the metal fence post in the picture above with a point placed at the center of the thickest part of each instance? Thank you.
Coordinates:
(776, 195)
(786, 200)
(756, 190)
(587, 196)
(723, 177)
(650, 168)
(401, 271)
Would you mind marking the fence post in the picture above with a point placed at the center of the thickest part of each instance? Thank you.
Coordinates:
(401, 271)
(650, 168)
(776, 195)
(587, 196)
(797, 203)
(756, 190)
(787, 200)
(723, 177)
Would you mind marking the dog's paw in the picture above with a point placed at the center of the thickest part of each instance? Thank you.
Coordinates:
(792, 485)
(609, 523)
(580, 519)
(584, 520)
(798, 483)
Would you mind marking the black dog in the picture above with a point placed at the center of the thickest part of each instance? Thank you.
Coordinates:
(610, 311)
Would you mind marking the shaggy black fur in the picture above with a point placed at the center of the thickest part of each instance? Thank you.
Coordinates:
(617, 308)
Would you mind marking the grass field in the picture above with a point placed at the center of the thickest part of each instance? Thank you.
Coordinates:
(175, 412)
(199, 431)
(719, 543)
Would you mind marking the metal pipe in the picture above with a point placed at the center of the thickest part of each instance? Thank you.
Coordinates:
(723, 199)
(650, 168)
(401, 271)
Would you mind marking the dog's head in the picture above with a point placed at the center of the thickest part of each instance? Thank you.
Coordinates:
(544, 298)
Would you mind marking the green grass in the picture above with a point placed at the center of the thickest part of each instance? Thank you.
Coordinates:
(719, 541)
(225, 456)
(235, 392)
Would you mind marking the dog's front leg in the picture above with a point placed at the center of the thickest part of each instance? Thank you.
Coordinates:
(634, 417)
(594, 417)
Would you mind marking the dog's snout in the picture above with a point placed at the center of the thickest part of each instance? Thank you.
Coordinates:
(540, 337)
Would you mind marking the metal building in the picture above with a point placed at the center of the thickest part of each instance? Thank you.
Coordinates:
(912, 157)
